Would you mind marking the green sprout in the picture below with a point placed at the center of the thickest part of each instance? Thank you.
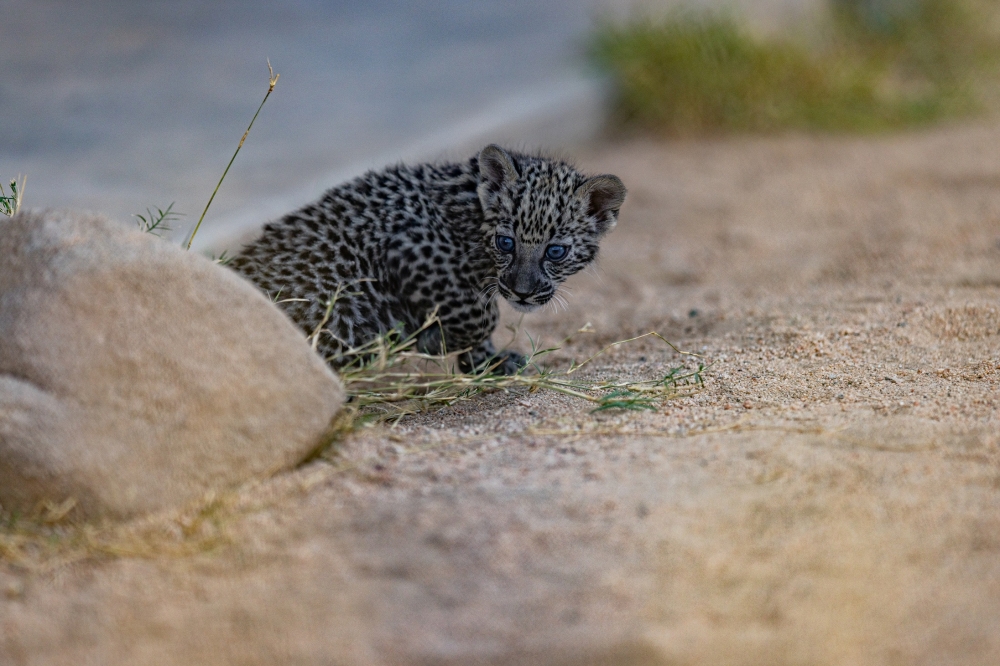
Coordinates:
(10, 204)
(156, 222)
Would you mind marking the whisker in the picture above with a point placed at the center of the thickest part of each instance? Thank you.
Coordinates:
(489, 293)
(562, 301)
(474, 248)
(595, 270)
(491, 285)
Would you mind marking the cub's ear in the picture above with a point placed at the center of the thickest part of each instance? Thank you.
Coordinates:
(496, 167)
(602, 196)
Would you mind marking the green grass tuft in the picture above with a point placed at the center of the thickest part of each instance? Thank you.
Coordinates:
(696, 73)
(626, 400)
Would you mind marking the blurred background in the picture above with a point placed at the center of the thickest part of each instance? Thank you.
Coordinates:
(122, 105)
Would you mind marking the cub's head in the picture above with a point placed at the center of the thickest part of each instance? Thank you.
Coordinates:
(544, 221)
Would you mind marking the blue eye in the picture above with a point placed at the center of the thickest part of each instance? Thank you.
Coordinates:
(505, 244)
(556, 252)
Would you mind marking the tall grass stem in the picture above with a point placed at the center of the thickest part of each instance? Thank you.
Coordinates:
(272, 81)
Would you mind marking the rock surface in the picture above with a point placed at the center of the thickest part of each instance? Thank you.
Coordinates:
(135, 376)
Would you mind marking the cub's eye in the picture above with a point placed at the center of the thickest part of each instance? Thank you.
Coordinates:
(505, 244)
(556, 252)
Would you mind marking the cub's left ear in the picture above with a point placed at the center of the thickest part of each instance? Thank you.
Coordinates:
(602, 196)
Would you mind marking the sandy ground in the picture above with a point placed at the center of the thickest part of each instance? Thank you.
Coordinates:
(832, 496)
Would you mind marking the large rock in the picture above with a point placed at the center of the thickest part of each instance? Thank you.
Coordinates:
(134, 376)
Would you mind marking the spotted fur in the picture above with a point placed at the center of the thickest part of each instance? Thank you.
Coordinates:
(394, 246)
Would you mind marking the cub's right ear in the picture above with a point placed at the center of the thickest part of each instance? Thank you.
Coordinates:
(603, 196)
(496, 168)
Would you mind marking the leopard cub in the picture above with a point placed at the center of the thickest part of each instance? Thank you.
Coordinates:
(397, 245)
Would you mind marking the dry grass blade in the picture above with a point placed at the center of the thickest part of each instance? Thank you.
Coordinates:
(51, 539)
(389, 379)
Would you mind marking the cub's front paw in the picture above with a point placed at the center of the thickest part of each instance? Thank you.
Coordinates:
(507, 362)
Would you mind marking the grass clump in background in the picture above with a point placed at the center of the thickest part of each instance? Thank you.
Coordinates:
(874, 64)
